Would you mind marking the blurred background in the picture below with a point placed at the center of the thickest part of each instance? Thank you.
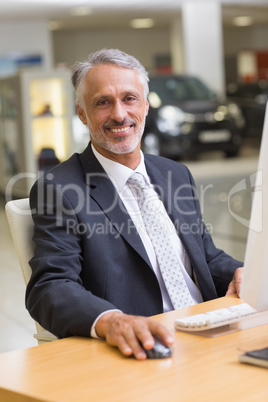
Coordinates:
(208, 67)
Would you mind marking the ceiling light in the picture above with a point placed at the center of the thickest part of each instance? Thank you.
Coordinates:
(142, 23)
(243, 21)
(80, 11)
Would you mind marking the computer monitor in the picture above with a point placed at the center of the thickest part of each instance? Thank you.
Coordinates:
(255, 278)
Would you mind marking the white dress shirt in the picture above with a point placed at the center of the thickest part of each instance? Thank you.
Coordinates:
(119, 175)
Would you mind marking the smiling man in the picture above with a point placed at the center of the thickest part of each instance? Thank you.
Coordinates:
(114, 109)
(114, 243)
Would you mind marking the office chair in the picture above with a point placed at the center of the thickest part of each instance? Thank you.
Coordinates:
(21, 227)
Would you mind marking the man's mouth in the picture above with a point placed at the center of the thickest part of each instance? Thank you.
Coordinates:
(120, 130)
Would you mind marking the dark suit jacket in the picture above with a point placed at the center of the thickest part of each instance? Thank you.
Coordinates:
(89, 257)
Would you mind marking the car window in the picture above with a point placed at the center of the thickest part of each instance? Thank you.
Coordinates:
(180, 89)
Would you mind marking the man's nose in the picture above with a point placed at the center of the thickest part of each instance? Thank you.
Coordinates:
(118, 112)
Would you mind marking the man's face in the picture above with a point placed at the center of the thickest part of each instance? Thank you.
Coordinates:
(114, 110)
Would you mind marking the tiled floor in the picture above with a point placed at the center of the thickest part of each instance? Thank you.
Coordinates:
(214, 179)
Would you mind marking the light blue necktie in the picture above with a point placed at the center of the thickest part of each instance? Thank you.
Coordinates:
(167, 259)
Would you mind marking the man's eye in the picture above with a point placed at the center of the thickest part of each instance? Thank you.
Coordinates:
(130, 98)
(102, 102)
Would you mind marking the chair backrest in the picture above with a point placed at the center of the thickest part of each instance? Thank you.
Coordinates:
(21, 226)
(20, 222)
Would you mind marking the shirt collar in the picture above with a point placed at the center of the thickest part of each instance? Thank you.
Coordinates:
(118, 173)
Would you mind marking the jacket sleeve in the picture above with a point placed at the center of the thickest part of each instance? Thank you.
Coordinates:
(55, 295)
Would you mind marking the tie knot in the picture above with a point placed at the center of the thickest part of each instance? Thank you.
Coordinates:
(145, 194)
(137, 180)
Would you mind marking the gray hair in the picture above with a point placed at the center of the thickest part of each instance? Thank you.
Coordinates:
(106, 56)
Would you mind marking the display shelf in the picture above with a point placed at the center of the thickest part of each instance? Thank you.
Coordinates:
(36, 113)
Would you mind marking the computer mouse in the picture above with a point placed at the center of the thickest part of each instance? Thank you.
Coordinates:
(159, 351)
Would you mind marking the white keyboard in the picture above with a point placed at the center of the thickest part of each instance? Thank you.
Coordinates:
(215, 318)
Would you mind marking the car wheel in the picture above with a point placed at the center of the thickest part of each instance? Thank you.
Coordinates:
(151, 144)
(232, 153)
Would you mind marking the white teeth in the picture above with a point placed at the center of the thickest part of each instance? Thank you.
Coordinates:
(119, 130)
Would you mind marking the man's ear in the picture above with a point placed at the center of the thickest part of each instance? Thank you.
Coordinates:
(146, 107)
(82, 115)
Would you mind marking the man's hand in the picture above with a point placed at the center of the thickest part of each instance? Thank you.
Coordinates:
(235, 285)
(127, 331)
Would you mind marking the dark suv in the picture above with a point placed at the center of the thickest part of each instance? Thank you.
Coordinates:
(186, 117)
(252, 99)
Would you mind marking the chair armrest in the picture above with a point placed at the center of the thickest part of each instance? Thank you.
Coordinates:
(45, 336)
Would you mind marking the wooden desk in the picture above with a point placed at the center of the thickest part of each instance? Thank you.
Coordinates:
(80, 369)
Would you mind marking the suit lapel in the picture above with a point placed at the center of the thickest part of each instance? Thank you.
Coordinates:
(103, 192)
(164, 186)
(167, 192)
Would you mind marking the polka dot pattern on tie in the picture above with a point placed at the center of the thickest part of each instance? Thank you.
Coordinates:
(169, 265)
